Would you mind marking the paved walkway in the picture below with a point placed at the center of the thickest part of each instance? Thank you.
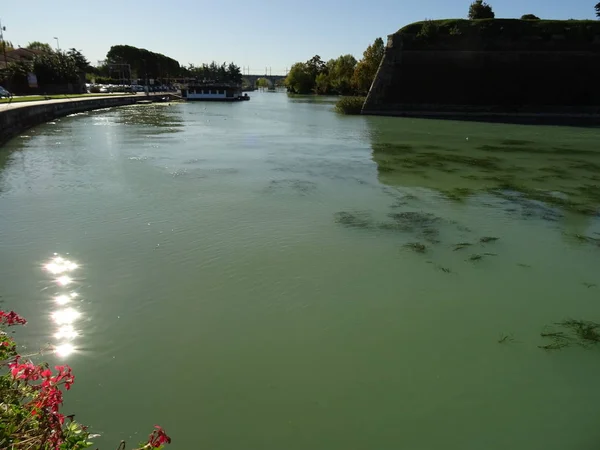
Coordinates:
(15, 105)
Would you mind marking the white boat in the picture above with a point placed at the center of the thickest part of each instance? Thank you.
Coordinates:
(214, 92)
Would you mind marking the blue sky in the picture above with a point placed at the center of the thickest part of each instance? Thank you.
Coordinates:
(255, 34)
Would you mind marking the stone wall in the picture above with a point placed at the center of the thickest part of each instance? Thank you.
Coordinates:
(476, 73)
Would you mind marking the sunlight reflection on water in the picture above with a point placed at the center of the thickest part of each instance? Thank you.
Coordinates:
(66, 316)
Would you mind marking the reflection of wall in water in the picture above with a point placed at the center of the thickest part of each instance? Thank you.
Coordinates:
(534, 177)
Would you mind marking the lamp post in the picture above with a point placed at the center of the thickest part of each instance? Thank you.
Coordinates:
(2, 29)
(57, 45)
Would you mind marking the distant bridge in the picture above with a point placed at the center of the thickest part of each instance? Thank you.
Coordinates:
(272, 79)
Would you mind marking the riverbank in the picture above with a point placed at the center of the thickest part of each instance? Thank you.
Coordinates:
(18, 117)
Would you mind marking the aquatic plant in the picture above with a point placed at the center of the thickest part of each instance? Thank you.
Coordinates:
(414, 222)
(31, 398)
(550, 198)
(416, 247)
(554, 169)
(590, 285)
(506, 339)
(458, 194)
(356, 219)
(556, 345)
(392, 149)
(583, 238)
(580, 332)
(517, 146)
(587, 332)
(301, 187)
(439, 267)
(591, 191)
(414, 218)
(462, 245)
(488, 162)
(384, 168)
(486, 239)
(519, 142)
(430, 235)
(586, 165)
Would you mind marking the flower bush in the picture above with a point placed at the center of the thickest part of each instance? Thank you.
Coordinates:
(31, 397)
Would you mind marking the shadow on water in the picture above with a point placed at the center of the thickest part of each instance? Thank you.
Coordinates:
(545, 172)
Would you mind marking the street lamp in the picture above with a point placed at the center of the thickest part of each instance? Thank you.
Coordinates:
(2, 29)
(57, 45)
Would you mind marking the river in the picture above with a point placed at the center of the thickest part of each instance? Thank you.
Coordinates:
(271, 275)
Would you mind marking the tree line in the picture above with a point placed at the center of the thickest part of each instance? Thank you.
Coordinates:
(139, 63)
(51, 67)
(223, 73)
(123, 63)
(344, 75)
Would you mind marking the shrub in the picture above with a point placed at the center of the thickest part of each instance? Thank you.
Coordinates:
(350, 105)
(530, 17)
(429, 31)
(455, 31)
(31, 397)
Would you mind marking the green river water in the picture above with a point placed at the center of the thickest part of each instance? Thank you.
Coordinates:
(270, 275)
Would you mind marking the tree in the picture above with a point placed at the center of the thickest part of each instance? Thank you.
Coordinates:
(480, 10)
(17, 72)
(315, 66)
(529, 17)
(367, 67)
(80, 61)
(299, 79)
(322, 85)
(6, 46)
(234, 74)
(226, 73)
(341, 73)
(597, 9)
(262, 83)
(37, 45)
(143, 62)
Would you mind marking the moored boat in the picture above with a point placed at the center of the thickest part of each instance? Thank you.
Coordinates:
(221, 92)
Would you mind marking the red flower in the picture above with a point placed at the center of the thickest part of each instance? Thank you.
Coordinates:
(11, 318)
(26, 371)
(49, 396)
(158, 437)
(65, 375)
